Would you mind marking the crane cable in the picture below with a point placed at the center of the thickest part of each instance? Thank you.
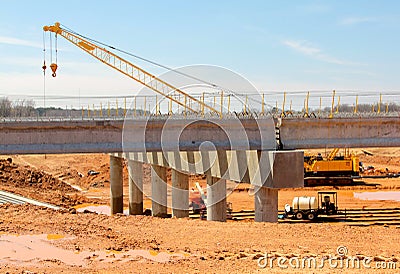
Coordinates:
(53, 66)
(56, 47)
(44, 54)
(51, 48)
(141, 58)
(44, 70)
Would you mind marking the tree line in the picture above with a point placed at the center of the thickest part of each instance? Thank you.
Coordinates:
(26, 108)
(391, 107)
(18, 108)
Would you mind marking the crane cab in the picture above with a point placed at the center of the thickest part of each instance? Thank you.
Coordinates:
(327, 202)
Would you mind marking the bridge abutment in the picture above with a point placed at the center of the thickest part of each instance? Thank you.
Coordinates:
(135, 170)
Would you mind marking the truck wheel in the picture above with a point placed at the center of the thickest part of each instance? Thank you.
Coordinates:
(311, 216)
(299, 215)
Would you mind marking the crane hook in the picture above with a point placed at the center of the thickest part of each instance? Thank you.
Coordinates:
(44, 67)
(53, 67)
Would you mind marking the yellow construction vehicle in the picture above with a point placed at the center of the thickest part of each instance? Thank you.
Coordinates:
(334, 169)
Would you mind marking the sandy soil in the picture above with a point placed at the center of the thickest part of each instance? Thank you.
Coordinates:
(36, 184)
(212, 247)
(106, 244)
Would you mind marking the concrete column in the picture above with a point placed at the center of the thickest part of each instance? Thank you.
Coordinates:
(180, 194)
(135, 170)
(216, 199)
(116, 185)
(158, 191)
(266, 204)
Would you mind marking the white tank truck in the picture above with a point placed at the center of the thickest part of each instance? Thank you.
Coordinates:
(310, 208)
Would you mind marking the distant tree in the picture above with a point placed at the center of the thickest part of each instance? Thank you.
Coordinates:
(393, 107)
(5, 107)
(24, 108)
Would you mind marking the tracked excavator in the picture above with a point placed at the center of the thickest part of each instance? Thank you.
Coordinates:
(334, 169)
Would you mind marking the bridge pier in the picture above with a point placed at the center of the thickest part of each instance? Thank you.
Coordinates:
(135, 170)
(216, 199)
(116, 185)
(266, 204)
(158, 191)
(180, 194)
(266, 170)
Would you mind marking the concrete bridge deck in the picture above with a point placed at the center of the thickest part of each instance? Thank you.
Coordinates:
(93, 136)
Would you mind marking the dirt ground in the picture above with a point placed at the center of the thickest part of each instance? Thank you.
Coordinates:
(62, 242)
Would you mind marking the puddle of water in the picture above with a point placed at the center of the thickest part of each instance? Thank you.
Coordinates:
(378, 195)
(100, 209)
(32, 249)
(153, 253)
(20, 249)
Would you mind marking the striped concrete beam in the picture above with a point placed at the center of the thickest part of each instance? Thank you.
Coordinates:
(272, 169)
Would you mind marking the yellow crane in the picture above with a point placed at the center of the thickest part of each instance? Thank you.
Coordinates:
(132, 71)
(332, 170)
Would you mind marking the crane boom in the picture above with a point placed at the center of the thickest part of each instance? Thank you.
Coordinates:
(136, 73)
(333, 153)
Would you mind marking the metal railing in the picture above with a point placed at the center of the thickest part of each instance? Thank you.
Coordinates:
(318, 104)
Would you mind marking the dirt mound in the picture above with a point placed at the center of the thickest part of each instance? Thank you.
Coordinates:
(37, 184)
(97, 177)
(13, 175)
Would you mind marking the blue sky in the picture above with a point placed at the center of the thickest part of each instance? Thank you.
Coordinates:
(277, 45)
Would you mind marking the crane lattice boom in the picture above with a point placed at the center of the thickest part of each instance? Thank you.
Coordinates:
(145, 78)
